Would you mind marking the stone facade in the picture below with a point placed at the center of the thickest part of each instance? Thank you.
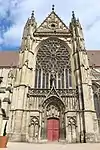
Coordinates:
(53, 80)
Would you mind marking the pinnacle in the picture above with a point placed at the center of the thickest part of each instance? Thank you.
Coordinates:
(32, 15)
(53, 7)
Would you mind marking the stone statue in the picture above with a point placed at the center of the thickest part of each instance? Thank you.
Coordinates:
(52, 78)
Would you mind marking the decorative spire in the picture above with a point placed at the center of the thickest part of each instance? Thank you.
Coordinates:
(73, 15)
(32, 21)
(73, 18)
(53, 7)
(32, 15)
(30, 26)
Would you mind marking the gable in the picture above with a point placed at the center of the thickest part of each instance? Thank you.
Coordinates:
(53, 92)
(52, 23)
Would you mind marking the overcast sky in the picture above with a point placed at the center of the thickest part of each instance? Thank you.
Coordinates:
(14, 14)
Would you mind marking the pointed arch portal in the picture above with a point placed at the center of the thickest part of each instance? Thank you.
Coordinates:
(53, 112)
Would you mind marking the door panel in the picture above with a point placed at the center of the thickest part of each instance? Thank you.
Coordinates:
(55, 135)
(53, 129)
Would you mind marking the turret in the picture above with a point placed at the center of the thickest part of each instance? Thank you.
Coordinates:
(28, 31)
(24, 77)
(30, 26)
(83, 81)
(26, 49)
(77, 32)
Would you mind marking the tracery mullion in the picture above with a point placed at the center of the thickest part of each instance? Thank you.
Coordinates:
(70, 79)
(64, 78)
(36, 78)
(39, 78)
(67, 78)
(49, 81)
(57, 80)
(47, 78)
(43, 85)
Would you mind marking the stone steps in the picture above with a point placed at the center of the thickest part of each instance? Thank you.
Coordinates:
(52, 146)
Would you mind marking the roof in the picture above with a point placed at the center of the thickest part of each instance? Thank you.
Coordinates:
(94, 57)
(10, 58)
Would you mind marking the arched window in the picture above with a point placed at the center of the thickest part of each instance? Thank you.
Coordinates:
(33, 127)
(53, 56)
(97, 105)
(97, 108)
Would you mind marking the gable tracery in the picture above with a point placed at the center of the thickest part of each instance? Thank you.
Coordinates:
(51, 23)
(53, 55)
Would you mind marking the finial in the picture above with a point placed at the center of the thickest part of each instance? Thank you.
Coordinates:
(73, 15)
(32, 15)
(53, 7)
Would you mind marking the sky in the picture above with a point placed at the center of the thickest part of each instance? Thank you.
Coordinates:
(14, 14)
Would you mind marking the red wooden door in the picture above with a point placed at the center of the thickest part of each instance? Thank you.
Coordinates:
(53, 129)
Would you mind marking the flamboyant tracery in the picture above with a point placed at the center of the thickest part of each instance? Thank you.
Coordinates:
(53, 56)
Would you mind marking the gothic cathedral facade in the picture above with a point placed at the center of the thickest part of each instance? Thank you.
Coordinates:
(51, 94)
